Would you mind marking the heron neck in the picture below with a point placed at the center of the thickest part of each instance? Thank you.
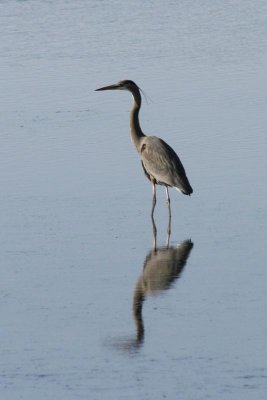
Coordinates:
(136, 131)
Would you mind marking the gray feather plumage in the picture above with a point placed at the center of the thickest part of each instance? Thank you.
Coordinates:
(162, 163)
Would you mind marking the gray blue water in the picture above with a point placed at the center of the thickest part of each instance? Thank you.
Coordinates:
(90, 309)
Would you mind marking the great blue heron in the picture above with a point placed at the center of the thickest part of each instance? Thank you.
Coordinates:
(161, 164)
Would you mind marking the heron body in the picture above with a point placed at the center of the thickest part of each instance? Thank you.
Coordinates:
(161, 164)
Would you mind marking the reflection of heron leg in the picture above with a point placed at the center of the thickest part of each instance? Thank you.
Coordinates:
(154, 232)
(170, 216)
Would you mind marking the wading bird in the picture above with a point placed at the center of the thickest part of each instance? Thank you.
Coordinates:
(161, 164)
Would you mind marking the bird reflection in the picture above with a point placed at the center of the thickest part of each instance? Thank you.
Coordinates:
(162, 267)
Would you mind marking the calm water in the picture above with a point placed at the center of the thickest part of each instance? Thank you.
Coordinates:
(90, 308)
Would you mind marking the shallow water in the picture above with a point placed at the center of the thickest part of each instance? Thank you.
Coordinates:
(89, 307)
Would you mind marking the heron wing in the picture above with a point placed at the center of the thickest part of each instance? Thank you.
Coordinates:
(162, 163)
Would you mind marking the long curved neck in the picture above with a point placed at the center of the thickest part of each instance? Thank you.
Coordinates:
(136, 131)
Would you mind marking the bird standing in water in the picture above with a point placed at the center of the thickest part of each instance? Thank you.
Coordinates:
(161, 164)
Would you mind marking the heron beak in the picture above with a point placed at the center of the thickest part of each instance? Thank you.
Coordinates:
(110, 87)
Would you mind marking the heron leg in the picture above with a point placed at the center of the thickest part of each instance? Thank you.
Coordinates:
(168, 197)
(170, 216)
(168, 232)
(168, 201)
(154, 200)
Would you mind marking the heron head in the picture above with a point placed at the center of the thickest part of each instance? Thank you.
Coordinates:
(122, 85)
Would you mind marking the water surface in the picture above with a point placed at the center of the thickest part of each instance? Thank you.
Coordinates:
(90, 308)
